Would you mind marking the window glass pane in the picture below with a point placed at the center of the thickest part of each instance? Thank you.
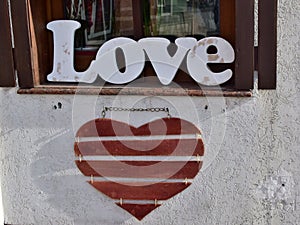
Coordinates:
(100, 19)
(181, 17)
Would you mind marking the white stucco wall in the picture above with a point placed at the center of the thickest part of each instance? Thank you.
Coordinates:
(252, 166)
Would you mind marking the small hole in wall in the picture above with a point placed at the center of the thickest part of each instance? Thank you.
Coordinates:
(58, 106)
(283, 185)
(206, 107)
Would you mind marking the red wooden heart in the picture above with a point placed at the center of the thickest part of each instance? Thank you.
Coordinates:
(139, 167)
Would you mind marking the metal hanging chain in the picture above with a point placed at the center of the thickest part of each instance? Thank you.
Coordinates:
(120, 109)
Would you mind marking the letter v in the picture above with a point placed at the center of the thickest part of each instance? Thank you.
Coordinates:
(164, 65)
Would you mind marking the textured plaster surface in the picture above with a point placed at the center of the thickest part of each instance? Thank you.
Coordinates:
(252, 166)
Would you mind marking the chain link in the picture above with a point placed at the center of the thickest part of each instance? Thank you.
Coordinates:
(120, 109)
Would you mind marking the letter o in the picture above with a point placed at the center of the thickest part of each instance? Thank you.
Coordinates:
(106, 65)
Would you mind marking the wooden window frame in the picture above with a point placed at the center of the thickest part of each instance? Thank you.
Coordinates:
(30, 32)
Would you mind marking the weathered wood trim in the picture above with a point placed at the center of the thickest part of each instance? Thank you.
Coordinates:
(150, 91)
(23, 59)
(7, 72)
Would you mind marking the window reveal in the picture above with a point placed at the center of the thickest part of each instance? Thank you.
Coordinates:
(235, 23)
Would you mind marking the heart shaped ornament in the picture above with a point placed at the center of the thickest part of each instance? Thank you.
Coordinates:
(139, 168)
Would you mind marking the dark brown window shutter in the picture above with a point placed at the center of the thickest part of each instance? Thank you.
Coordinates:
(267, 44)
(7, 74)
(244, 49)
(20, 21)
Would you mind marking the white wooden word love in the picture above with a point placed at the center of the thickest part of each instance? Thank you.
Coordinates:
(105, 65)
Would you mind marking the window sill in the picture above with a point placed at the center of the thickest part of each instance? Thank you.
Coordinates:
(184, 90)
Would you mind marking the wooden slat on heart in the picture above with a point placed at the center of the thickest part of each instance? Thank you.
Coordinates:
(164, 138)
(136, 191)
(161, 170)
(122, 148)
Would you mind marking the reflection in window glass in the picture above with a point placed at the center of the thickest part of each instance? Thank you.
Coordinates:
(183, 18)
(100, 19)
(104, 19)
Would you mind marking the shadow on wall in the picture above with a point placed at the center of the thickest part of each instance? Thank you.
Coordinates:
(63, 186)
